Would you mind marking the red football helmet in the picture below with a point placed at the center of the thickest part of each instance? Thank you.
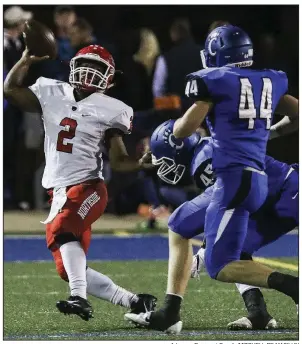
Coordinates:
(88, 78)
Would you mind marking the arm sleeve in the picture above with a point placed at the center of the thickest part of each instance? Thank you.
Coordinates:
(285, 81)
(38, 88)
(196, 88)
(160, 77)
(123, 121)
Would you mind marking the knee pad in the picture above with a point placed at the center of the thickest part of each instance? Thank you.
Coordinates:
(64, 238)
(183, 221)
(216, 260)
(173, 224)
(209, 264)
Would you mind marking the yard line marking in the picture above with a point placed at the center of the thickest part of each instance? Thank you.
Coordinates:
(117, 275)
(222, 317)
(209, 289)
(122, 234)
(271, 262)
(151, 334)
(36, 293)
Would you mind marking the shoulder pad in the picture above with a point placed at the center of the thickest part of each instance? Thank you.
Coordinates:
(48, 82)
(115, 104)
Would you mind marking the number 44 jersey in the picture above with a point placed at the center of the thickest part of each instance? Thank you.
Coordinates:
(244, 101)
(74, 131)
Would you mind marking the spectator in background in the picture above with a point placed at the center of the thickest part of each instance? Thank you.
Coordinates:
(138, 51)
(64, 17)
(14, 20)
(172, 67)
(267, 51)
(146, 56)
(81, 34)
(216, 24)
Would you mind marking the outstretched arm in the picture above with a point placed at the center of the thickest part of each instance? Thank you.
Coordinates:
(290, 123)
(191, 120)
(119, 158)
(13, 90)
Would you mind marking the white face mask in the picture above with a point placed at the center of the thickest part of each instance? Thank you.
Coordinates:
(88, 77)
(168, 171)
(203, 59)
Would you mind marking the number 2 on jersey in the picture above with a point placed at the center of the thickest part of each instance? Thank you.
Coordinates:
(247, 108)
(67, 133)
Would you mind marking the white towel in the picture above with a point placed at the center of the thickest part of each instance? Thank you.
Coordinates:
(59, 199)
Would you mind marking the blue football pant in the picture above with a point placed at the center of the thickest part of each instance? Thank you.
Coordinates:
(278, 217)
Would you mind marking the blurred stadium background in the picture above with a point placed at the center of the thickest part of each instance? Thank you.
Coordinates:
(155, 47)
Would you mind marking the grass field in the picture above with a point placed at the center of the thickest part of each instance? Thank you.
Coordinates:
(32, 289)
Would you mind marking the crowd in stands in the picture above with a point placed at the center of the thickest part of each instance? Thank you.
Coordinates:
(152, 82)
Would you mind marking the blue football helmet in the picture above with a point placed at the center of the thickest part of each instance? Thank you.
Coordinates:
(227, 45)
(172, 155)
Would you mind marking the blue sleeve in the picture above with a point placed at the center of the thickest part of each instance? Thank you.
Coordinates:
(284, 81)
(202, 84)
(281, 81)
(196, 87)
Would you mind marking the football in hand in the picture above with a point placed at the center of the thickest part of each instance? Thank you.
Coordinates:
(39, 39)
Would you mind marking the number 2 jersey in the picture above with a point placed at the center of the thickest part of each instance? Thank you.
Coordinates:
(203, 175)
(74, 131)
(244, 101)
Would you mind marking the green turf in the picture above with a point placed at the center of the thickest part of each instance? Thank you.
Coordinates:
(32, 289)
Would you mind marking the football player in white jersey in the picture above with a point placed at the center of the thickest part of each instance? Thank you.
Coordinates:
(78, 118)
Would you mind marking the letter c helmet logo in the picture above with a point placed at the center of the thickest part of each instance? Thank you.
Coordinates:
(210, 46)
(171, 140)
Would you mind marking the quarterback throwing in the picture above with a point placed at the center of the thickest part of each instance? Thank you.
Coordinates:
(78, 119)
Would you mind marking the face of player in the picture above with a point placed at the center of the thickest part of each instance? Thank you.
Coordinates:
(90, 73)
(100, 67)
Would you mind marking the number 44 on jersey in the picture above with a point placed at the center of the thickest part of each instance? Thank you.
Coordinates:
(247, 109)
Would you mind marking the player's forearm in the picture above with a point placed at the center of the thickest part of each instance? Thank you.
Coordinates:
(119, 158)
(125, 164)
(284, 127)
(191, 120)
(15, 77)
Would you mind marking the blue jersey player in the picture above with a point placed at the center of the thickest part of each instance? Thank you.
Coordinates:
(239, 104)
(278, 215)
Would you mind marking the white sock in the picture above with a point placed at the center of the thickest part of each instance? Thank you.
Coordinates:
(74, 261)
(102, 287)
(244, 287)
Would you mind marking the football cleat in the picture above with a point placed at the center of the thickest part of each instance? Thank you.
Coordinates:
(198, 263)
(245, 323)
(145, 303)
(76, 305)
(156, 321)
